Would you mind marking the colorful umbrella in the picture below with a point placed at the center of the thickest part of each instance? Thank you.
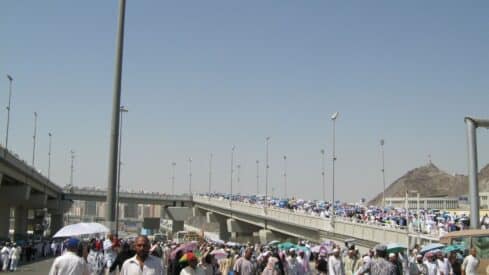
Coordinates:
(395, 248)
(453, 247)
(286, 246)
(430, 247)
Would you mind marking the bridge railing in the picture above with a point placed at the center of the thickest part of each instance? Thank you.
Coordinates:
(98, 193)
(359, 228)
(27, 169)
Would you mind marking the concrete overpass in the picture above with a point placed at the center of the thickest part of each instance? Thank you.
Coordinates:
(272, 223)
(23, 188)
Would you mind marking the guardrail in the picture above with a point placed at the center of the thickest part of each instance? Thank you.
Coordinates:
(152, 196)
(368, 230)
(25, 168)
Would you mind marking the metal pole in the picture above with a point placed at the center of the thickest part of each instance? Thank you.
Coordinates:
(116, 104)
(10, 78)
(323, 182)
(266, 171)
(190, 176)
(232, 171)
(238, 180)
(72, 167)
(210, 173)
(34, 141)
(285, 176)
(173, 164)
(473, 170)
(49, 155)
(121, 111)
(334, 160)
(383, 173)
(257, 177)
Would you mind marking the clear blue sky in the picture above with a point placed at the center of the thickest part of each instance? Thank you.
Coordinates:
(200, 76)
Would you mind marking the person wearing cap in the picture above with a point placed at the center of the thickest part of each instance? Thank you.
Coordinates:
(443, 264)
(417, 267)
(303, 259)
(69, 263)
(192, 268)
(378, 265)
(335, 264)
(294, 267)
(142, 262)
(431, 264)
(95, 259)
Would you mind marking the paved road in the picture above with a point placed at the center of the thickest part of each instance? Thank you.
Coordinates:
(40, 267)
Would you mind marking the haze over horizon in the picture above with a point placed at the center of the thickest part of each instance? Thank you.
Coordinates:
(200, 77)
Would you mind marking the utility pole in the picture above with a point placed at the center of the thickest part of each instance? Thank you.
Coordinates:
(257, 177)
(383, 172)
(49, 155)
(285, 176)
(72, 167)
(323, 182)
(173, 164)
(210, 173)
(34, 141)
(10, 78)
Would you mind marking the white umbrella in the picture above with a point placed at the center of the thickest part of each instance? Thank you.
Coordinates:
(82, 228)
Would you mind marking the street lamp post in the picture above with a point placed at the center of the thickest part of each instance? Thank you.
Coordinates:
(333, 118)
(238, 180)
(383, 172)
(10, 78)
(266, 170)
(116, 105)
(49, 155)
(72, 167)
(190, 175)
(232, 172)
(285, 176)
(34, 141)
(257, 177)
(122, 110)
(210, 173)
(323, 182)
(173, 164)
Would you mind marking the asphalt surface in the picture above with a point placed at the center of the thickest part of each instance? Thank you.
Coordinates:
(39, 267)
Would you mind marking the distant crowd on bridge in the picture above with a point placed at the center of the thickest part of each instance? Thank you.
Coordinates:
(434, 222)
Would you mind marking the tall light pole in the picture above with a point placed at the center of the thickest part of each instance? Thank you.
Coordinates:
(173, 164)
(383, 172)
(210, 173)
(114, 132)
(72, 166)
(10, 78)
(232, 171)
(190, 175)
(34, 141)
(238, 180)
(257, 177)
(285, 176)
(122, 110)
(333, 118)
(323, 182)
(49, 155)
(267, 140)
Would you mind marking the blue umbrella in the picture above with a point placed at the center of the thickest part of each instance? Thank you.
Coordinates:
(431, 246)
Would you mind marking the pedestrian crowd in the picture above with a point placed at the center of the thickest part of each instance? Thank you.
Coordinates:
(206, 257)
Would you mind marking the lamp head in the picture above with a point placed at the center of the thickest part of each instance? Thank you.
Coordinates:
(334, 116)
(382, 142)
(10, 77)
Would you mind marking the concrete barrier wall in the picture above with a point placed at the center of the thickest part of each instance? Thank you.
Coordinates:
(342, 226)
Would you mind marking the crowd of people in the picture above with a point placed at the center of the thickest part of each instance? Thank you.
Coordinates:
(426, 221)
(205, 257)
(14, 253)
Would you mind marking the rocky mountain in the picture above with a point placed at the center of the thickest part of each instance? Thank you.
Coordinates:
(430, 181)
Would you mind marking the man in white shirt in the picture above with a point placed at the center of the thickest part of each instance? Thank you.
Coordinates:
(335, 264)
(142, 263)
(471, 263)
(69, 263)
(15, 258)
(5, 253)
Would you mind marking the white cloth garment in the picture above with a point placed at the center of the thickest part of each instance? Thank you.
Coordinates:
(152, 266)
(69, 264)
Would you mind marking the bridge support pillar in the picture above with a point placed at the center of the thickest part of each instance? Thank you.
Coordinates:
(4, 221)
(240, 231)
(223, 227)
(56, 223)
(20, 223)
(176, 226)
(266, 236)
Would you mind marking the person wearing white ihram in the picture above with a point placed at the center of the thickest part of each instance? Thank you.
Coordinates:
(471, 263)
(69, 263)
(142, 263)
